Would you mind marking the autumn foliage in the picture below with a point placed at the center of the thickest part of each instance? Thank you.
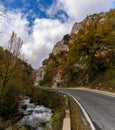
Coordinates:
(15, 76)
(90, 60)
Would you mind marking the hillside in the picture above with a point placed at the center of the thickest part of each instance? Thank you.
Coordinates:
(16, 78)
(86, 56)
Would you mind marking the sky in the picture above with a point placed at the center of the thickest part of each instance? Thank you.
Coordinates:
(42, 23)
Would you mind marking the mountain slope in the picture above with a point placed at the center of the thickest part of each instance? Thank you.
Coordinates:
(86, 56)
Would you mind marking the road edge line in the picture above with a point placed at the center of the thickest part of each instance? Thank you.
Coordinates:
(84, 112)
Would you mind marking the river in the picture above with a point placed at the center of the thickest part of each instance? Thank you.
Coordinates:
(36, 116)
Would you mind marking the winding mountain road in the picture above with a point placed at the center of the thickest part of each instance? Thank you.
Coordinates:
(99, 106)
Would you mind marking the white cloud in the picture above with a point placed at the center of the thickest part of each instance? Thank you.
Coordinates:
(39, 43)
(46, 32)
(79, 9)
(13, 21)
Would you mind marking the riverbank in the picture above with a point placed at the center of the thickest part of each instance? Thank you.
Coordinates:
(51, 99)
(35, 116)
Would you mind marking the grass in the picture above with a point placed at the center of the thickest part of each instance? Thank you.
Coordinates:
(77, 122)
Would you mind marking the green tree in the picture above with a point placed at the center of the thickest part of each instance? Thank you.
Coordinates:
(11, 76)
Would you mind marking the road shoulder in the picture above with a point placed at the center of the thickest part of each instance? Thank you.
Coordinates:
(112, 94)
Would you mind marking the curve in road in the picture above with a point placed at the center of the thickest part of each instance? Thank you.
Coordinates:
(100, 107)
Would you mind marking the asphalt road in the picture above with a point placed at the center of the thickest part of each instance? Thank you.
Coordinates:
(100, 107)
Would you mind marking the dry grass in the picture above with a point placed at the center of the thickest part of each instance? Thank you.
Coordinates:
(77, 122)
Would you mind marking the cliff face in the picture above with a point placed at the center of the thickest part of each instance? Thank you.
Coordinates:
(85, 56)
(86, 22)
(60, 46)
(76, 27)
(38, 74)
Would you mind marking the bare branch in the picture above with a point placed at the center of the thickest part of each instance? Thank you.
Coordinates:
(15, 44)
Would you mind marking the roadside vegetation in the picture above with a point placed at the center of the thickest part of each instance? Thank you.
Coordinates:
(15, 78)
(77, 122)
(53, 100)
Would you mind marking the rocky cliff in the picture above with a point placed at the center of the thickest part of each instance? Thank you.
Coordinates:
(85, 56)
(60, 46)
(38, 74)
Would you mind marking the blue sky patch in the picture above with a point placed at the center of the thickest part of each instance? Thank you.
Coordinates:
(33, 9)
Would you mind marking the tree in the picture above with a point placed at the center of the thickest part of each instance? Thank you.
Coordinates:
(11, 76)
(11, 66)
(15, 44)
